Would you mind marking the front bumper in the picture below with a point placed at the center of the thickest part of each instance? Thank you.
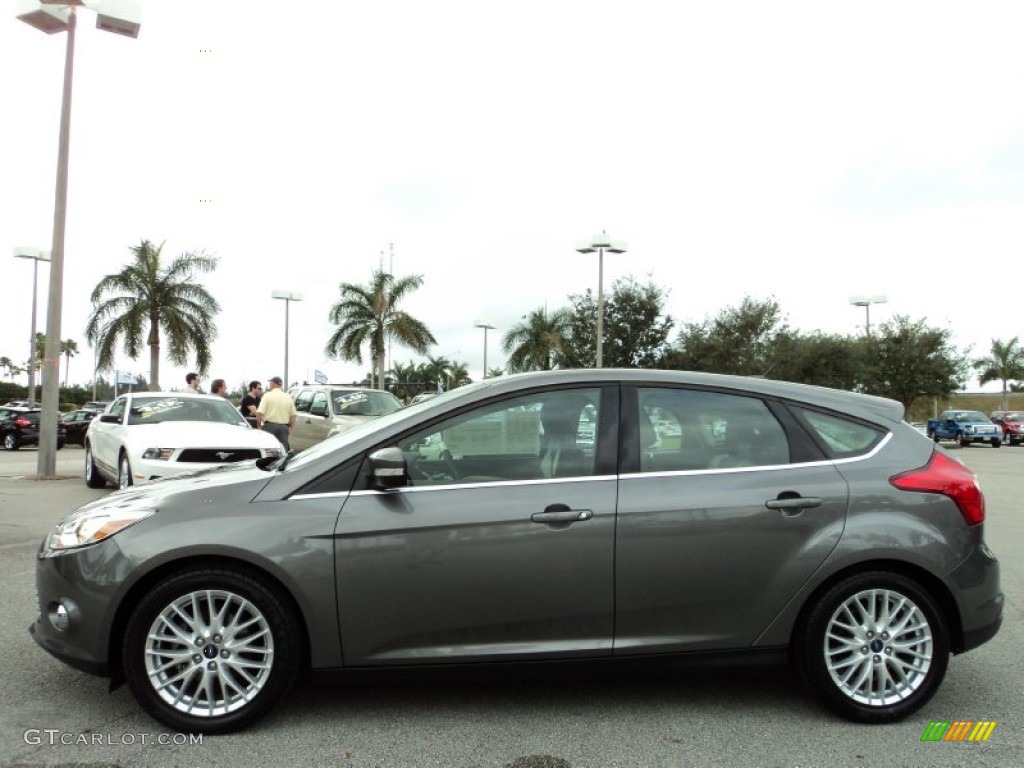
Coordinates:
(87, 583)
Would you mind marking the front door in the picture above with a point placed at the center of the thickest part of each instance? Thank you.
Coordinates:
(496, 550)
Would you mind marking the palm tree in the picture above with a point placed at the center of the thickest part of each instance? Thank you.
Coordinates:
(539, 343)
(370, 315)
(492, 372)
(37, 363)
(6, 363)
(68, 348)
(458, 375)
(145, 297)
(436, 370)
(1005, 363)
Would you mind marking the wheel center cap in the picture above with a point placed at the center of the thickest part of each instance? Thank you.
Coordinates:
(210, 651)
(876, 646)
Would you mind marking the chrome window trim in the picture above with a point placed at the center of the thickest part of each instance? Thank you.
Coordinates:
(453, 486)
(765, 467)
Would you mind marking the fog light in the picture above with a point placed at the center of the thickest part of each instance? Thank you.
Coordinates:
(59, 617)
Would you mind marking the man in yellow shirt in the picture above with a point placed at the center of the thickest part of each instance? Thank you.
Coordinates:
(276, 412)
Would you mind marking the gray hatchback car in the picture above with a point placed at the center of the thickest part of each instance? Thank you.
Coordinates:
(597, 514)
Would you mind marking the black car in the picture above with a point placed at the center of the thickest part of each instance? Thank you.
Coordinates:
(20, 427)
(77, 424)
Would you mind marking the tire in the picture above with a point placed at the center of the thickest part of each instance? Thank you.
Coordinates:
(60, 445)
(964, 442)
(933, 437)
(997, 443)
(246, 658)
(11, 442)
(93, 479)
(843, 645)
(124, 471)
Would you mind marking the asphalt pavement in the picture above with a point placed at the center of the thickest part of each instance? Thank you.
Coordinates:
(576, 717)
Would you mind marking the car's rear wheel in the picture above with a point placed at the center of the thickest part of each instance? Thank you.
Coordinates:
(11, 442)
(92, 476)
(875, 647)
(124, 471)
(211, 650)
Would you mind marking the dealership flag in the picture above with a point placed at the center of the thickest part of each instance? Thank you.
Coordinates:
(319, 377)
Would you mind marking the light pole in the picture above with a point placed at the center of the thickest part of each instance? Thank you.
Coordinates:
(487, 327)
(36, 255)
(601, 243)
(288, 298)
(866, 302)
(120, 17)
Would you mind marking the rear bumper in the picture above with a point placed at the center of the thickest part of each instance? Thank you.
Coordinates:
(979, 596)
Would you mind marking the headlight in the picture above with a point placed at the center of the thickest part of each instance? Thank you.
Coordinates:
(91, 526)
(163, 454)
(268, 452)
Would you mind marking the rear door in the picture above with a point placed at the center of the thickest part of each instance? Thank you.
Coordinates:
(486, 554)
(721, 519)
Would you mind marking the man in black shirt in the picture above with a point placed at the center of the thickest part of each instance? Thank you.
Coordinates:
(251, 402)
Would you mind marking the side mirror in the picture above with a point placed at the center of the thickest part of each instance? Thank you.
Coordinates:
(109, 418)
(387, 466)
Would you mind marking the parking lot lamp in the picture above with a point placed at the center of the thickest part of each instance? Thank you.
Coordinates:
(601, 243)
(487, 327)
(23, 252)
(120, 17)
(288, 298)
(866, 302)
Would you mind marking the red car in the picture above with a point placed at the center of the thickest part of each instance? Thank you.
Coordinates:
(1012, 423)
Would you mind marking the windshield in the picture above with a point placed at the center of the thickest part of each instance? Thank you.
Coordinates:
(356, 402)
(155, 410)
(969, 416)
(1013, 417)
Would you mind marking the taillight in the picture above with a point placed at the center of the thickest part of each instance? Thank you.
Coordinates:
(949, 477)
(21, 423)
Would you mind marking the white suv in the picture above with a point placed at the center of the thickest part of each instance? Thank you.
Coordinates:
(326, 409)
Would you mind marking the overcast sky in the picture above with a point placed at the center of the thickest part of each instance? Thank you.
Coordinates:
(809, 151)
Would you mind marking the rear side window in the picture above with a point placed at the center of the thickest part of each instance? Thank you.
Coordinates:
(841, 437)
(683, 429)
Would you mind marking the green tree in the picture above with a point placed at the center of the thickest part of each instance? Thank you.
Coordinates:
(370, 315)
(435, 371)
(539, 343)
(1005, 363)
(906, 360)
(739, 340)
(492, 372)
(40, 352)
(68, 348)
(147, 297)
(826, 360)
(6, 363)
(636, 328)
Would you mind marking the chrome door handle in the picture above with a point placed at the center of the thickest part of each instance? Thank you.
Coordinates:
(562, 516)
(797, 502)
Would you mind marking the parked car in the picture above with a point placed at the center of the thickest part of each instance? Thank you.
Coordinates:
(327, 409)
(422, 396)
(76, 423)
(965, 427)
(1012, 424)
(149, 435)
(19, 427)
(97, 406)
(18, 404)
(819, 527)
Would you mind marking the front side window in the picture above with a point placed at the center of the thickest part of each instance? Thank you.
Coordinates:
(303, 401)
(117, 409)
(532, 437)
(684, 429)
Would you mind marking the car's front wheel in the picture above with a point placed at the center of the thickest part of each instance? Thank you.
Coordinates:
(92, 476)
(124, 472)
(211, 650)
(875, 647)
